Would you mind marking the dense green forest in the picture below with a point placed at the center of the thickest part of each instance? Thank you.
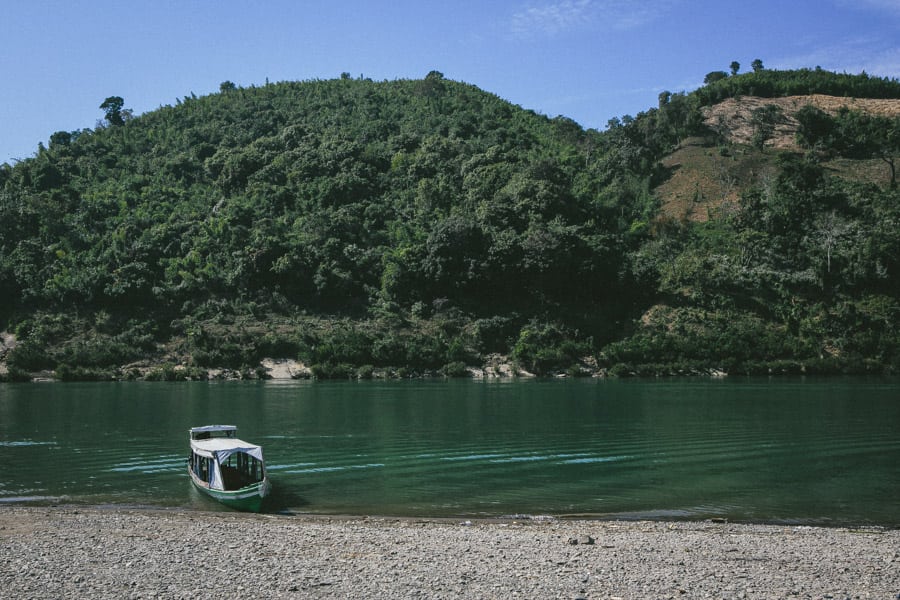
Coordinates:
(426, 226)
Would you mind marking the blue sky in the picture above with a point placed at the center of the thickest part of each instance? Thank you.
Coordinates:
(589, 60)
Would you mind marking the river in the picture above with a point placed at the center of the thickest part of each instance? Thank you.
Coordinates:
(817, 452)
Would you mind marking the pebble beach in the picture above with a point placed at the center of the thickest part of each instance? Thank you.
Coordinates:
(77, 552)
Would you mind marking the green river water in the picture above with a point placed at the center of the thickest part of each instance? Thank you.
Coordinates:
(822, 452)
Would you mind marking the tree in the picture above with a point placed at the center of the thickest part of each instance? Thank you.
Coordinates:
(830, 231)
(816, 128)
(714, 76)
(457, 249)
(852, 134)
(227, 86)
(114, 114)
(757, 65)
(664, 98)
(60, 138)
(735, 67)
(433, 84)
(763, 120)
(864, 136)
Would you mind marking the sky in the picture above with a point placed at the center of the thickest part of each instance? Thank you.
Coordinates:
(589, 60)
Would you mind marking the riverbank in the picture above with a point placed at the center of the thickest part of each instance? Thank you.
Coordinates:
(90, 552)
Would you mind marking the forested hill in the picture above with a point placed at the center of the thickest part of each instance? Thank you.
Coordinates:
(420, 226)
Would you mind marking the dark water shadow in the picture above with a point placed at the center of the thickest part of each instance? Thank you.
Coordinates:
(283, 500)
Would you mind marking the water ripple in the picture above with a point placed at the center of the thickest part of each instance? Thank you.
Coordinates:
(594, 459)
(157, 464)
(470, 457)
(279, 467)
(23, 443)
(336, 468)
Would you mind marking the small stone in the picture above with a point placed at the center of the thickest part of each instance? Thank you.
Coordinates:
(581, 539)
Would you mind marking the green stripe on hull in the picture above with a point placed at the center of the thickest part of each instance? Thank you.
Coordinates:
(249, 502)
(248, 499)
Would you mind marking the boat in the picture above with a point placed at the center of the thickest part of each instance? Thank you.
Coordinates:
(228, 469)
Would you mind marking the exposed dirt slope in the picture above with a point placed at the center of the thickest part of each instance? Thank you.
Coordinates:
(736, 113)
(706, 180)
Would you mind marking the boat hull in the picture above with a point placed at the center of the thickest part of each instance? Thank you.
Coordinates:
(247, 499)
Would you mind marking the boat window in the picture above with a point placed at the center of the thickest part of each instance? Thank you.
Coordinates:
(241, 470)
(213, 433)
(200, 467)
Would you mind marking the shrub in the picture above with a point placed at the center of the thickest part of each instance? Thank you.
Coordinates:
(343, 345)
(29, 356)
(165, 372)
(577, 371)
(620, 370)
(99, 352)
(333, 371)
(14, 375)
(545, 348)
(65, 372)
(455, 369)
(495, 334)
(424, 351)
(169, 372)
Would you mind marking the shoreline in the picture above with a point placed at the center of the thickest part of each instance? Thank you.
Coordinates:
(136, 552)
(213, 507)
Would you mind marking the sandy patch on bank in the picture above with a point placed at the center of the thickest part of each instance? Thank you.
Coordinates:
(284, 368)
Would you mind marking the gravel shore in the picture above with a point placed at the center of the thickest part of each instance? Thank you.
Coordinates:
(67, 552)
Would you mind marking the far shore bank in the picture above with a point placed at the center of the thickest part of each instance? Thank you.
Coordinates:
(499, 368)
(492, 366)
(119, 552)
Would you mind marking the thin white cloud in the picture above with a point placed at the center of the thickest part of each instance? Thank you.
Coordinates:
(885, 64)
(872, 55)
(875, 53)
(891, 7)
(552, 17)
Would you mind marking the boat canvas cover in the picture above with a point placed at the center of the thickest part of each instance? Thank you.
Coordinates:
(221, 448)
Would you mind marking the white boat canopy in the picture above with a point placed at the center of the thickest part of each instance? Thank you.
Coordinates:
(218, 443)
(221, 448)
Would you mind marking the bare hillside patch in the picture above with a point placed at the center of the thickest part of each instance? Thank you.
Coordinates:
(734, 115)
(706, 181)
